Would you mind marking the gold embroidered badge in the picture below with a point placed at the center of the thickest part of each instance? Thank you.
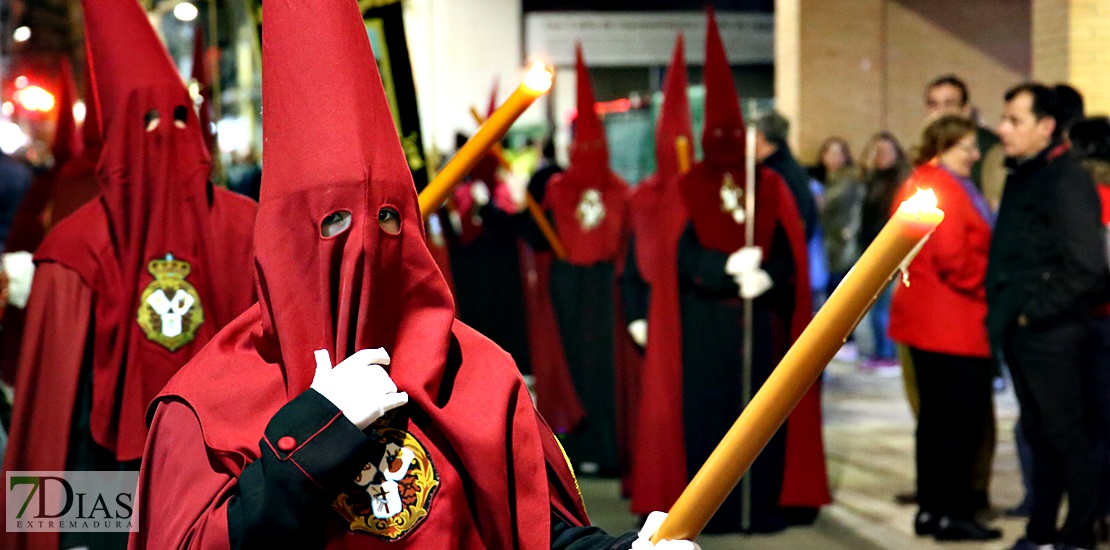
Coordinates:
(170, 311)
(731, 195)
(591, 210)
(396, 491)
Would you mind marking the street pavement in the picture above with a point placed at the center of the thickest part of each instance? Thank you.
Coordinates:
(869, 446)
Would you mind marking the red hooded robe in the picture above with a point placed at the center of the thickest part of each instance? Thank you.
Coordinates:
(587, 203)
(52, 196)
(658, 219)
(804, 482)
(498, 471)
(109, 303)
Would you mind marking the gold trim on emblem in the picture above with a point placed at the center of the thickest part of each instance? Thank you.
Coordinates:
(170, 311)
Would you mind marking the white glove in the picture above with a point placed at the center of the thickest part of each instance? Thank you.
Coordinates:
(654, 520)
(745, 260)
(479, 191)
(21, 271)
(638, 331)
(753, 284)
(358, 386)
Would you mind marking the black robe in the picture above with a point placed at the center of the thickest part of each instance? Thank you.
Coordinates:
(583, 301)
(489, 295)
(712, 356)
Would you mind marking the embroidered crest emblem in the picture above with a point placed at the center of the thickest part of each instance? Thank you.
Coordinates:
(170, 311)
(395, 491)
(590, 211)
(731, 195)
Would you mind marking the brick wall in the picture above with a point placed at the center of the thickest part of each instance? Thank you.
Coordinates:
(1089, 53)
(862, 65)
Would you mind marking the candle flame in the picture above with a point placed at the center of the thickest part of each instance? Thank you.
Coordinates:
(923, 199)
(538, 78)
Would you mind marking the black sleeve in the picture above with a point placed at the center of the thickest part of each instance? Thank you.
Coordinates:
(284, 496)
(566, 537)
(703, 268)
(635, 291)
(530, 231)
(1075, 214)
(807, 206)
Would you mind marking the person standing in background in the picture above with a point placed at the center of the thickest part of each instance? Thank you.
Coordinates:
(1047, 265)
(1090, 140)
(940, 316)
(771, 149)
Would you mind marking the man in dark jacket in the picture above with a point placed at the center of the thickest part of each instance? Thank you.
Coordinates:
(771, 149)
(1047, 265)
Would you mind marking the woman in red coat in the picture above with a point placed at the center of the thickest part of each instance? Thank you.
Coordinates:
(941, 316)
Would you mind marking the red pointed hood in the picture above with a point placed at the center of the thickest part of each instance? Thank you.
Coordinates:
(369, 288)
(722, 172)
(674, 120)
(154, 203)
(67, 143)
(486, 169)
(723, 137)
(590, 149)
(202, 75)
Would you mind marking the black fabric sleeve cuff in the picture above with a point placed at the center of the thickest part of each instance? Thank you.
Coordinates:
(566, 537)
(313, 434)
(309, 453)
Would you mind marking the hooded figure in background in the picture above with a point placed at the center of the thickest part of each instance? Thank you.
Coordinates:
(716, 273)
(650, 299)
(29, 225)
(53, 196)
(485, 264)
(423, 434)
(587, 203)
(131, 285)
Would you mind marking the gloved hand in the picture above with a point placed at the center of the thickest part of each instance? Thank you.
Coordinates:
(745, 260)
(754, 283)
(21, 271)
(479, 191)
(638, 331)
(643, 541)
(358, 386)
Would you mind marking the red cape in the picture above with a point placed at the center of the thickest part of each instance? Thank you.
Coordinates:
(555, 395)
(628, 364)
(658, 220)
(48, 374)
(52, 198)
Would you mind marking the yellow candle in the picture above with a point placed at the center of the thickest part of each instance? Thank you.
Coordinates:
(682, 148)
(533, 207)
(915, 219)
(536, 83)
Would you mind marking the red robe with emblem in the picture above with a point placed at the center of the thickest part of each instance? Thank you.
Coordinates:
(87, 297)
(500, 470)
(587, 205)
(790, 472)
(657, 219)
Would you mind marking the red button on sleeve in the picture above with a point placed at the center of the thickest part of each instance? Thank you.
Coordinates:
(287, 444)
